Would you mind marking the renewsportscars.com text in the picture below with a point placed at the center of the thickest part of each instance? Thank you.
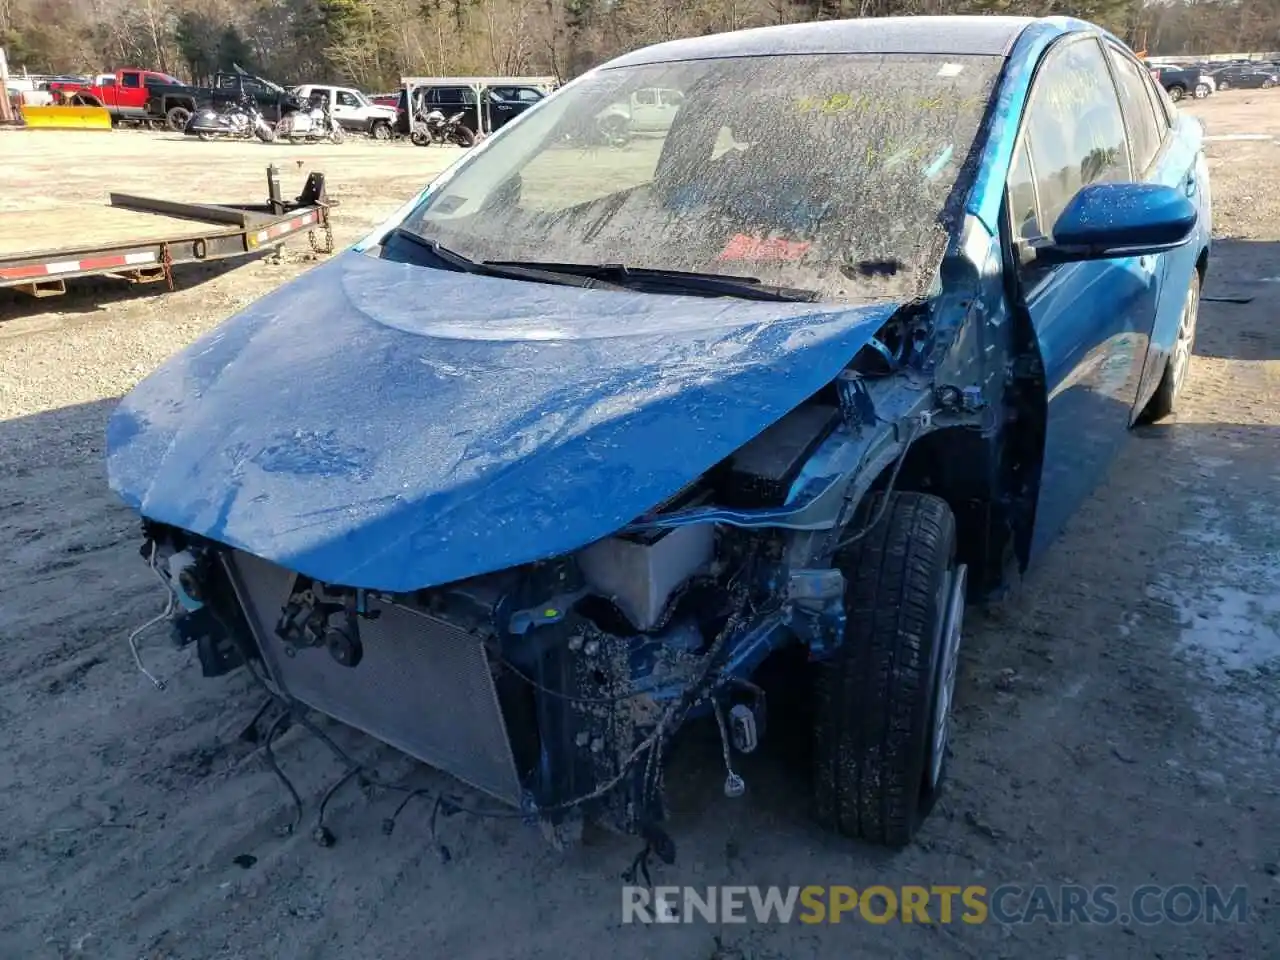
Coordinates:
(942, 903)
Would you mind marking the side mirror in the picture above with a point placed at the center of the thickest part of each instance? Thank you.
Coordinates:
(1109, 220)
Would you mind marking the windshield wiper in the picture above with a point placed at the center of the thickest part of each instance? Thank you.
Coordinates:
(712, 284)
(509, 271)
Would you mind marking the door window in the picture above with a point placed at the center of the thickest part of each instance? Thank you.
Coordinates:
(346, 99)
(130, 80)
(647, 98)
(1073, 127)
(1139, 111)
(1024, 216)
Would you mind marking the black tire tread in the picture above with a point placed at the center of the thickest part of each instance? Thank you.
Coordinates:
(872, 698)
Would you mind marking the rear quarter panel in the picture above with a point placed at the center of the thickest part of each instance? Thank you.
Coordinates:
(1182, 163)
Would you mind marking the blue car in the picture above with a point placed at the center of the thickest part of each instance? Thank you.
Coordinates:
(586, 437)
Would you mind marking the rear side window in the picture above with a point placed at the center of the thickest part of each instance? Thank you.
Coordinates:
(1073, 126)
(1139, 111)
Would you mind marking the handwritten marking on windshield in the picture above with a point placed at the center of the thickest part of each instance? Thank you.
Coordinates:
(745, 247)
(843, 103)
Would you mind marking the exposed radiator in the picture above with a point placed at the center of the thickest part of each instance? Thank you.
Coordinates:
(422, 686)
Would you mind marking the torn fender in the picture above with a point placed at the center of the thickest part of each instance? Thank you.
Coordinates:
(391, 426)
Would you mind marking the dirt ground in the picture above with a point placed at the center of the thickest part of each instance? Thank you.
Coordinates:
(1117, 717)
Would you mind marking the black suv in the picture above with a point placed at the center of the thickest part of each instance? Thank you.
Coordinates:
(501, 104)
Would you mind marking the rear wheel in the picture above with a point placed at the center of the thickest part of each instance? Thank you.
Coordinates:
(206, 136)
(176, 118)
(616, 130)
(1202, 91)
(336, 135)
(1267, 84)
(882, 703)
(1165, 400)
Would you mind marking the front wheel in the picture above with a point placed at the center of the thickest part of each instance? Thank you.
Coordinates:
(265, 132)
(1267, 84)
(206, 136)
(1165, 400)
(336, 135)
(419, 139)
(882, 702)
(463, 136)
(381, 130)
(615, 130)
(1177, 93)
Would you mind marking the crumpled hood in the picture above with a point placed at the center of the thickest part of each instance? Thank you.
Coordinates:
(383, 425)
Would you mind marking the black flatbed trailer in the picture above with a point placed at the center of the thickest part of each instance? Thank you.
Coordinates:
(225, 231)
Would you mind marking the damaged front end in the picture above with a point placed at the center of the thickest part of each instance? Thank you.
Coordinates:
(556, 686)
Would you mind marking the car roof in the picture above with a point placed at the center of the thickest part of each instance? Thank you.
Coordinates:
(973, 35)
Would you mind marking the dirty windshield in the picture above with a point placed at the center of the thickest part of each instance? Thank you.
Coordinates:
(830, 173)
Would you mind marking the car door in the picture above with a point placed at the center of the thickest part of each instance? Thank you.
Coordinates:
(130, 96)
(645, 111)
(1158, 157)
(500, 106)
(348, 110)
(1091, 320)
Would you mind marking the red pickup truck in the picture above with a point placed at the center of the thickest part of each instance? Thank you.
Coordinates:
(124, 93)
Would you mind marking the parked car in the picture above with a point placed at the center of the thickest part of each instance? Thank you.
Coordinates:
(1180, 82)
(124, 93)
(563, 454)
(500, 104)
(1247, 77)
(352, 109)
(644, 111)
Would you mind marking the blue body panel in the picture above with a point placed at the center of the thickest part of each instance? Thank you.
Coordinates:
(1104, 328)
(389, 426)
(1181, 164)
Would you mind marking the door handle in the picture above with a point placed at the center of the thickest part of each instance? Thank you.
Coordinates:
(1190, 185)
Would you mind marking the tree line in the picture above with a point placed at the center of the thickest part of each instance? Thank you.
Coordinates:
(372, 43)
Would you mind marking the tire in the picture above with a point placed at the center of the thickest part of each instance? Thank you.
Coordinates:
(463, 136)
(206, 137)
(265, 134)
(1165, 400)
(336, 135)
(1223, 85)
(882, 702)
(1202, 91)
(176, 118)
(616, 130)
(381, 130)
(1176, 93)
(420, 139)
(1267, 84)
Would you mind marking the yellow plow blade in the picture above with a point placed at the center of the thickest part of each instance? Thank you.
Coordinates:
(66, 118)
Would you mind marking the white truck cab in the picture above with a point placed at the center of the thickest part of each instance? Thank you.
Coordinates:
(352, 109)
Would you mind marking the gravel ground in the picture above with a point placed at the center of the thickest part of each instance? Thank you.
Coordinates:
(1117, 718)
